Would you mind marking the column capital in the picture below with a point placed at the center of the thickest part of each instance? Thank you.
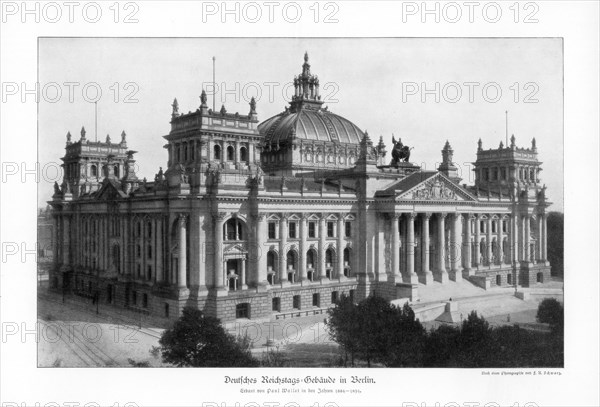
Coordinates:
(285, 216)
(219, 216)
(411, 215)
(396, 215)
(182, 219)
(304, 216)
(427, 215)
(469, 215)
(443, 215)
(261, 216)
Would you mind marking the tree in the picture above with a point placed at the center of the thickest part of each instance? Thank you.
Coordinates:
(551, 312)
(197, 340)
(406, 339)
(343, 326)
(476, 346)
(377, 331)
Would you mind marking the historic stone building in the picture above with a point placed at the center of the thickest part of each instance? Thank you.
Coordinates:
(285, 216)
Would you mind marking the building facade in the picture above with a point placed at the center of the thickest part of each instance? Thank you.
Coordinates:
(285, 216)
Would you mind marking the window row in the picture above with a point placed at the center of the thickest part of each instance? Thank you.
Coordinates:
(316, 301)
(294, 229)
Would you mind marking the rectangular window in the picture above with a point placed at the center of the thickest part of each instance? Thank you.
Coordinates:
(316, 302)
(312, 229)
(296, 302)
(504, 226)
(166, 310)
(482, 226)
(330, 229)
(334, 297)
(134, 297)
(292, 230)
(348, 229)
(145, 300)
(272, 230)
(276, 304)
(493, 227)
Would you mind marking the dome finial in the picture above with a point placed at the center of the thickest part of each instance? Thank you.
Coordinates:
(305, 56)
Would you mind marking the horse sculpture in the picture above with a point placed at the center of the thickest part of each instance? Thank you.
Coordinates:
(400, 151)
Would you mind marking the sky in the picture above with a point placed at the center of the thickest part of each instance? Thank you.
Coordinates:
(387, 86)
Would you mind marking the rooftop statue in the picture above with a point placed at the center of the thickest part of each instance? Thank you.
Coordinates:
(400, 151)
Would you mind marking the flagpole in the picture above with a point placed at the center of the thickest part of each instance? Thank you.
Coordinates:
(506, 112)
(96, 120)
(214, 84)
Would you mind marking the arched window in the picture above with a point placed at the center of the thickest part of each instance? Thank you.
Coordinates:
(243, 154)
(104, 171)
(346, 256)
(329, 257)
(230, 153)
(94, 171)
(149, 229)
(271, 262)
(310, 259)
(116, 171)
(233, 229)
(347, 262)
(116, 258)
(291, 260)
(217, 152)
(185, 152)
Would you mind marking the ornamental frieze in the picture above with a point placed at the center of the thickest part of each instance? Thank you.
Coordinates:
(435, 190)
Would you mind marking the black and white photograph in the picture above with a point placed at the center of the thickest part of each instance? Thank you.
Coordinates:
(286, 235)
(298, 208)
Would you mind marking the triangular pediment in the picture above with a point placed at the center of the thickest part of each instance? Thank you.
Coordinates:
(234, 249)
(109, 192)
(436, 188)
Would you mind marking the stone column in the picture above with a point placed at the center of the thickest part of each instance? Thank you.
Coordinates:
(218, 221)
(396, 247)
(243, 285)
(321, 260)
(261, 251)
(181, 235)
(66, 231)
(283, 231)
(426, 276)
(441, 252)
(340, 247)
(410, 249)
(544, 237)
(302, 254)
(488, 245)
(159, 249)
(477, 262)
(467, 245)
(455, 246)
(526, 239)
(500, 241)
(540, 247)
(514, 238)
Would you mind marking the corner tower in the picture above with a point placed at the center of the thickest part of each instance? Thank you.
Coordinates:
(510, 166)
